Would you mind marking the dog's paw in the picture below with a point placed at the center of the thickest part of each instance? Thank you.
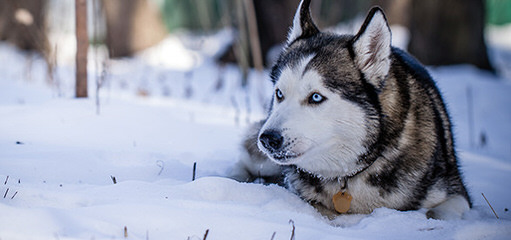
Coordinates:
(452, 209)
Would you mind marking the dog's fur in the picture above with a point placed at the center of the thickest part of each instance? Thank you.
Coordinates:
(353, 114)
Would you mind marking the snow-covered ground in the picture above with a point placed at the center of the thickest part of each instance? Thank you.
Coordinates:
(159, 116)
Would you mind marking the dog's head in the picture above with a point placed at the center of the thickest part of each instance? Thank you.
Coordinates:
(325, 114)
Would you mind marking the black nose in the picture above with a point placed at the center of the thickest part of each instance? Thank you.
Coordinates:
(271, 140)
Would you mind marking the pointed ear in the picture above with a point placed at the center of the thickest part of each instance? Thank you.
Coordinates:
(303, 26)
(372, 48)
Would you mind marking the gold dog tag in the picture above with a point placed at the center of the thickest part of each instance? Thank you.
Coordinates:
(342, 202)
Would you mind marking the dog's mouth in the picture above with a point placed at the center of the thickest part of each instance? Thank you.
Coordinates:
(280, 149)
(284, 156)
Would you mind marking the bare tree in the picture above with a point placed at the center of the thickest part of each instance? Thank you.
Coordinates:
(82, 45)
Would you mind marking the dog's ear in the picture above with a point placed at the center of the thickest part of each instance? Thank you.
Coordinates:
(303, 26)
(372, 48)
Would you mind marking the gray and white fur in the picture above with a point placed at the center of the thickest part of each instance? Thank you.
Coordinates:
(351, 113)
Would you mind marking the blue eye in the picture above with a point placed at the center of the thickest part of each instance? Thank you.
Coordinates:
(279, 94)
(316, 98)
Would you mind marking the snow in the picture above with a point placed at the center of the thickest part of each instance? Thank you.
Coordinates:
(158, 117)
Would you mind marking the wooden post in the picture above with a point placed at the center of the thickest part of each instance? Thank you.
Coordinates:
(82, 45)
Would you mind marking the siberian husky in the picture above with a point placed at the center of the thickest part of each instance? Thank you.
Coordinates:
(356, 124)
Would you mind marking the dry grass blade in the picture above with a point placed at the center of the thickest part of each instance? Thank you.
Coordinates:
(14, 195)
(205, 234)
(497, 216)
(194, 170)
(292, 231)
(6, 191)
(273, 236)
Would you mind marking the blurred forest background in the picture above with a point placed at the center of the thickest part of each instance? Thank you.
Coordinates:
(439, 32)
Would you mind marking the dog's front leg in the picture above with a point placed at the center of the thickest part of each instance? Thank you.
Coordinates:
(451, 209)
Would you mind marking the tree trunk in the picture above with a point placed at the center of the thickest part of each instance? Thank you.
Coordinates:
(396, 11)
(253, 33)
(132, 25)
(445, 32)
(273, 19)
(82, 46)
